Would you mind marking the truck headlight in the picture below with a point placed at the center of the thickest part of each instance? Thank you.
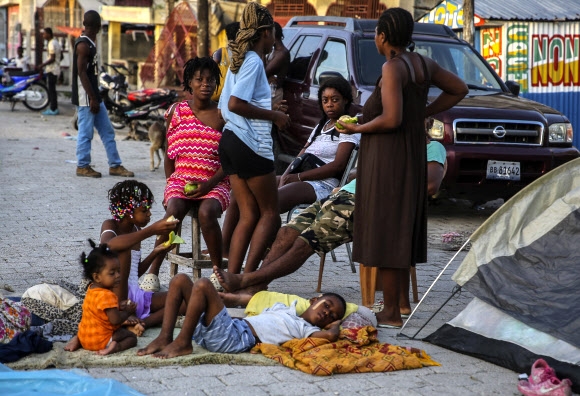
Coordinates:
(561, 133)
(437, 131)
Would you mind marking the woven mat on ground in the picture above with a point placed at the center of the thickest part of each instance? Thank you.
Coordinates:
(356, 351)
(86, 359)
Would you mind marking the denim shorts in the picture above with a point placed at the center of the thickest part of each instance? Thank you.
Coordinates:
(224, 334)
(238, 159)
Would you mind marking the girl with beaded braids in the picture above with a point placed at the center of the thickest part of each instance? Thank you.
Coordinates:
(390, 225)
(194, 130)
(130, 202)
(246, 146)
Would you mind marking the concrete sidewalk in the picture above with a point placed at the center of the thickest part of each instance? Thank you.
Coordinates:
(48, 213)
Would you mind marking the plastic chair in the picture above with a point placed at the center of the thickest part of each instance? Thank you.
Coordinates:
(349, 166)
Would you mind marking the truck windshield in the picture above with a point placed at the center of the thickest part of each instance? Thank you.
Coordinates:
(457, 58)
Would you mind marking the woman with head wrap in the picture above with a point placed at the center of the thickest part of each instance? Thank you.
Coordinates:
(246, 145)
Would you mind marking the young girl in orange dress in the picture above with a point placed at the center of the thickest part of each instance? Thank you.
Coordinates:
(100, 329)
(194, 130)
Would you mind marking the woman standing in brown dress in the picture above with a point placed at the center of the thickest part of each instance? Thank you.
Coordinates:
(390, 222)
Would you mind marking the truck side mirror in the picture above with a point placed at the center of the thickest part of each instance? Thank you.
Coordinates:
(514, 87)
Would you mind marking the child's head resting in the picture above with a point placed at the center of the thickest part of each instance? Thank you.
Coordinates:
(128, 195)
(96, 260)
(325, 309)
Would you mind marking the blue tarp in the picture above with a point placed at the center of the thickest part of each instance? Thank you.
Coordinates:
(58, 382)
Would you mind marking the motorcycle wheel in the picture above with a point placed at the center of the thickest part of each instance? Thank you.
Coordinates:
(118, 122)
(42, 102)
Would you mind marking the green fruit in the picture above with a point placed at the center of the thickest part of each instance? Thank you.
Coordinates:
(346, 120)
(173, 239)
(190, 187)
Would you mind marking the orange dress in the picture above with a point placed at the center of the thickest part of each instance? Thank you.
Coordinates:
(95, 329)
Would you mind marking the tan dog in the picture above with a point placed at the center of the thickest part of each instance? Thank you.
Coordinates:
(157, 137)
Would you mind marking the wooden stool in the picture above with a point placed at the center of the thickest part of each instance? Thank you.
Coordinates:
(193, 259)
(368, 284)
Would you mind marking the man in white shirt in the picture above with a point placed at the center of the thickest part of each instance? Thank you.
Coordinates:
(52, 69)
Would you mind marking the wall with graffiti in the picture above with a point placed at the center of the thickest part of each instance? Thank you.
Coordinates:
(543, 57)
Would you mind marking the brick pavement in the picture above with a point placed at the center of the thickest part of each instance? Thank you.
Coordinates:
(47, 213)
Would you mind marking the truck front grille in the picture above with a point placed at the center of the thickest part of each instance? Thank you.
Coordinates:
(521, 133)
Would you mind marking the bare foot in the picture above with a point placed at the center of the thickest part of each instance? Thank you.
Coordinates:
(233, 300)
(155, 346)
(111, 348)
(131, 320)
(175, 349)
(230, 282)
(137, 329)
(73, 344)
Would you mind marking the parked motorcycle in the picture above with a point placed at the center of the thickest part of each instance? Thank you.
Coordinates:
(26, 87)
(126, 108)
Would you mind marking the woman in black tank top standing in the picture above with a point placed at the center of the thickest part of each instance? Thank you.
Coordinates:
(390, 228)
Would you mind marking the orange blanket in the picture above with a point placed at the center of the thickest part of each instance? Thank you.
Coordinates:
(356, 351)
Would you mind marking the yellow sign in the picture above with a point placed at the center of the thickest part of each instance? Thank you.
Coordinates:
(126, 14)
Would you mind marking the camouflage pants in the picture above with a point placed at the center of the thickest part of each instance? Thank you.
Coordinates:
(326, 224)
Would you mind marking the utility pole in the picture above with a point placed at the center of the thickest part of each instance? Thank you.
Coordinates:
(202, 28)
(468, 28)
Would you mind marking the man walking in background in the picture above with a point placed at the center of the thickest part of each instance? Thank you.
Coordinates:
(52, 69)
(92, 112)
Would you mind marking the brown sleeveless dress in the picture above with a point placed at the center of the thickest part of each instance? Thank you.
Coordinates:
(390, 215)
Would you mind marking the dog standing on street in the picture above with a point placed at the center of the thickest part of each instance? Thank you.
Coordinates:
(157, 137)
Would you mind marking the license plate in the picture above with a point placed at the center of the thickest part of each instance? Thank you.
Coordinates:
(503, 170)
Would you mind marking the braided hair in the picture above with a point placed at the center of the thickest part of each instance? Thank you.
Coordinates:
(343, 87)
(255, 19)
(96, 259)
(195, 64)
(128, 195)
(397, 25)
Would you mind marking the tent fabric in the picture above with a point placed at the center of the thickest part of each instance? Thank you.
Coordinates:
(524, 258)
(523, 269)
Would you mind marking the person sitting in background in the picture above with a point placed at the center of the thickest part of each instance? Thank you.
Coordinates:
(436, 161)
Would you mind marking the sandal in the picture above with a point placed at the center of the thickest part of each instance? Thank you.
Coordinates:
(216, 283)
(150, 283)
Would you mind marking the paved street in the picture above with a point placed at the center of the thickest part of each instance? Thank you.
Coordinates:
(47, 214)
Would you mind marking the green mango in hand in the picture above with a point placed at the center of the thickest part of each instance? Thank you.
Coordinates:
(346, 120)
(190, 187)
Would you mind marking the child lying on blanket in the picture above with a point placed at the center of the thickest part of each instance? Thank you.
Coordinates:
(354, 315)
(207, 321)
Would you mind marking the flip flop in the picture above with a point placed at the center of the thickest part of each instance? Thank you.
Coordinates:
(405, 316)
(388, 326)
